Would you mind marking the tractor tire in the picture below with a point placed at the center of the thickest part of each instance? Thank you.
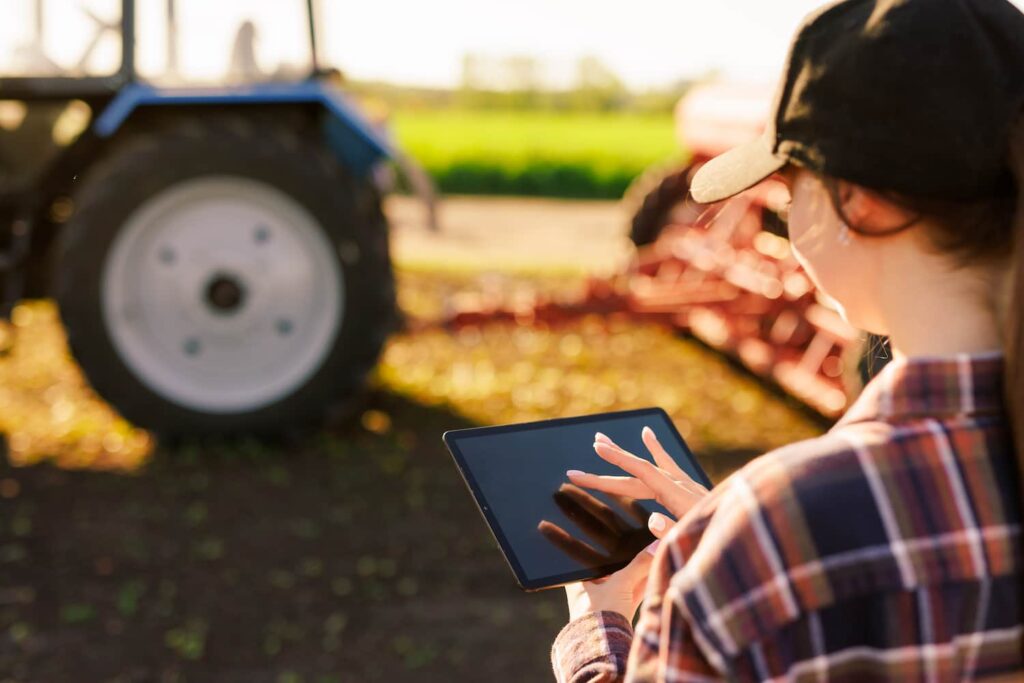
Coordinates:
(225, 276)
(652, 200)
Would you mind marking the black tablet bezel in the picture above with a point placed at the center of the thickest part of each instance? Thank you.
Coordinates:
(451, 439)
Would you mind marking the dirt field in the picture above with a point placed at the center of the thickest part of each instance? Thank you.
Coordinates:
(503, 233)
(354, 553)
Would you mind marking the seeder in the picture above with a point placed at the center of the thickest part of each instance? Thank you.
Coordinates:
(724, 273)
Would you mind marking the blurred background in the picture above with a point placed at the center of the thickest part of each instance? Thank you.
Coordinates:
(257, 255)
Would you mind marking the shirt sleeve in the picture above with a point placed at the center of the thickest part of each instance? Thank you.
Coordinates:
(671, 639)
(592, 648)
(664, 647)
(602, 647)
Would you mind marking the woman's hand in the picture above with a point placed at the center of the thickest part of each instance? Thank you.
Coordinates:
(664, 482)
(619, 592)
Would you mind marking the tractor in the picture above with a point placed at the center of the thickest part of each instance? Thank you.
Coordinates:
(202, 202)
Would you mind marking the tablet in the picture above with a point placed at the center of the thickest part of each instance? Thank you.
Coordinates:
(551, 531)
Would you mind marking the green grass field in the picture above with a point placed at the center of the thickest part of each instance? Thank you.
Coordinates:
(586, 155)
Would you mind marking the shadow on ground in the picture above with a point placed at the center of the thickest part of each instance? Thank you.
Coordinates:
(355, 554)
(350, 556)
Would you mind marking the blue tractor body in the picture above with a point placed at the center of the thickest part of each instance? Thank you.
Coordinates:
(356, 143)
(219, 253)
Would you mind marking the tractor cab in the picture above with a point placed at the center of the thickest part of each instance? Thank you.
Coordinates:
(84, 48)
(63, 61)
(201, 201)
(53, 49)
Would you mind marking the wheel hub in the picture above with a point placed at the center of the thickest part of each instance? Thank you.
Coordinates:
(225, 294)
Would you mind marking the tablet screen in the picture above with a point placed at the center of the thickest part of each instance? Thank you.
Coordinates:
(551, 531)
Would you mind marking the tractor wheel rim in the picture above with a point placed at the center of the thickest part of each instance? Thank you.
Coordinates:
(222, 294)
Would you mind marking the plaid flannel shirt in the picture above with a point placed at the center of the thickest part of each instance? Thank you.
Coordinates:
(887, 549)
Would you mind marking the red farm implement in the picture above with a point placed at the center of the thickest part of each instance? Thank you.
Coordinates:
(724, 273)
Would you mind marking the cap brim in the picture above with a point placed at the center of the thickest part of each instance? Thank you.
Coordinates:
(736, 170)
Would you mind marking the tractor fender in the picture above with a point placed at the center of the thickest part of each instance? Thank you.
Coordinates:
(350, 136)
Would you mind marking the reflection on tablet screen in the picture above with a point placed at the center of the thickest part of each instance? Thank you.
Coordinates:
(614, 534)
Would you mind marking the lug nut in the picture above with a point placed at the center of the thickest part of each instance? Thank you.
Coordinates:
(192, 347)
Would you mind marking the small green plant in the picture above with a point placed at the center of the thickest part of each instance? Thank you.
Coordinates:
(128, 597)
(188, 641)
(77, 613)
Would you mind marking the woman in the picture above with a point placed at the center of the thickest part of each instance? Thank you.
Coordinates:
(890, 547)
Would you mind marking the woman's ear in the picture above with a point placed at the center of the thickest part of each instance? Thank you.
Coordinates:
(869, 211)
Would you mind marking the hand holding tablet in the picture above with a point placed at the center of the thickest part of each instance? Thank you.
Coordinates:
(555, 528)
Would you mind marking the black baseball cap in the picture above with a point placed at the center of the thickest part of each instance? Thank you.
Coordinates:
(913, 96)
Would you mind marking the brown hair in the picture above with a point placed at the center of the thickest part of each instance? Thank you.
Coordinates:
(981, 231)
(1014, 337)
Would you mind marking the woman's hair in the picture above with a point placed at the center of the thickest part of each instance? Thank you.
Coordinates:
(968, 231)
(981, 231)
(1014, 338)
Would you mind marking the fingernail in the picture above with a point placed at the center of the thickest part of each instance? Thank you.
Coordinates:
(598, 436)
(653, 547)
(656, 522)
(570, 473)
(647, 430)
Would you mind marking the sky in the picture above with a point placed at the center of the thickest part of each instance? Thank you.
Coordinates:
(647, 43)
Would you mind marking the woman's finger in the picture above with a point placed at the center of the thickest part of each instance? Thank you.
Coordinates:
(681, 478)
(677, 496)
(659, 524)
(634, 574)
(619, 456)
(661, 456)
(666, 490)
(623, 486)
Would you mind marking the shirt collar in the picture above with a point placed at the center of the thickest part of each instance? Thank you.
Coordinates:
(932, 386)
